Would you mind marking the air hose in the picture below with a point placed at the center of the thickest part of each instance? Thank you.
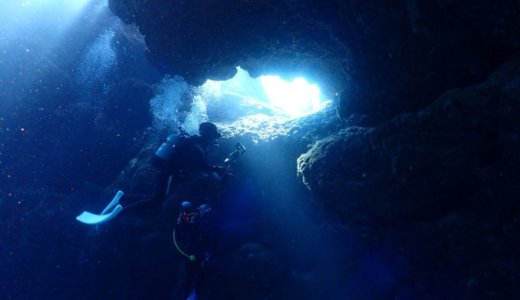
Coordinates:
(190, 257)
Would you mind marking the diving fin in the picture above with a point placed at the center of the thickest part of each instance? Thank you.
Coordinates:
(92, 219)
(114, 202)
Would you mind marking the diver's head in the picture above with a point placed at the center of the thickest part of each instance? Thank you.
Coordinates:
(209, 132)
(186, 204)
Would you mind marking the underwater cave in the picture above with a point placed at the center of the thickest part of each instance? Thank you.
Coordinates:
(371, 149)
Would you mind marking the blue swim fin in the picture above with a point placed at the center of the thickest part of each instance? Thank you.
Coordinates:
(93, 219)
(114, 202)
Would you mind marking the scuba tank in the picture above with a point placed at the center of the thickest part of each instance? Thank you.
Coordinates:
(167, 148)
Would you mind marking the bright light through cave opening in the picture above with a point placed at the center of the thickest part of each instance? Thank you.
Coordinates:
(296, 98)
(267, 95)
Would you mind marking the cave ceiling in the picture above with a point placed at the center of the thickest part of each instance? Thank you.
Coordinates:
(376, 57)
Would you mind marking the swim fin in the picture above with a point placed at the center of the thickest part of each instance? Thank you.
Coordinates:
(92, 219)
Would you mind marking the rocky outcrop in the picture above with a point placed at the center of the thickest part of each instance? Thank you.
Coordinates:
(382, 58)
(437, 183)
(444, 149)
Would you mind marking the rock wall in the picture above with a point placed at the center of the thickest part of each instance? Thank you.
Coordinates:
(439, 184)
(382, 58)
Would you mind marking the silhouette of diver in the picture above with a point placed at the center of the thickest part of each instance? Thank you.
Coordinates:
(190, 237)
(183, 164)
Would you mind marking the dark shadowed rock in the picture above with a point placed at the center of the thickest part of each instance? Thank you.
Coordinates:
(441, 150)
(383, 58)
(441, 181)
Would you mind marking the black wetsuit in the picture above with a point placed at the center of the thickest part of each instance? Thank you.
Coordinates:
(189, 159)
(182, 175)
(189, 163)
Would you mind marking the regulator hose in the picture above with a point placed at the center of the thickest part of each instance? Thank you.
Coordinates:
(190, 257)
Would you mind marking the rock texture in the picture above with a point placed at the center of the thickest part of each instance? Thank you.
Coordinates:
(382, 58)
(439, 184)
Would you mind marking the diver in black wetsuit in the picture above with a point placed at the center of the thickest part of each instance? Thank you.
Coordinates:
(184, 167)
(186, 160)
(190, 237)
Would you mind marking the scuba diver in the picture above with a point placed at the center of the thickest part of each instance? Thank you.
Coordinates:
(181, 158)
(191, 239)
(184, 158)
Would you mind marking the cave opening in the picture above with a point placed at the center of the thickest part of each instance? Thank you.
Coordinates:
(267, 97)
(263, 108)
(271, 94)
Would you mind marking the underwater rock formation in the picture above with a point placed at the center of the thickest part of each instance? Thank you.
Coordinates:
(462, 135)
(442, 183)
(382, 58)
